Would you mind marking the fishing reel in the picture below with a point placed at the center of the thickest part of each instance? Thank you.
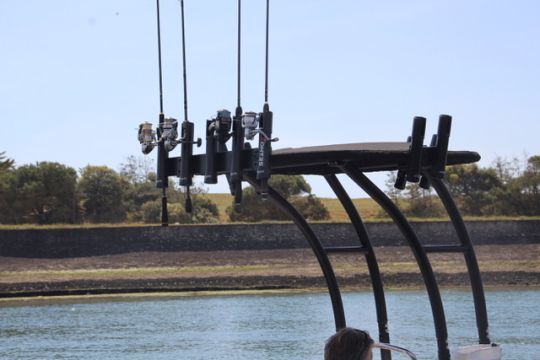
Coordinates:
(220, 126)
(169, 135)
(166, 133)
(147, 137)
(218, 132)
(251, 122)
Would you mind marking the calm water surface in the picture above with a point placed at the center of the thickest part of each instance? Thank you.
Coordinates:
(255, 326)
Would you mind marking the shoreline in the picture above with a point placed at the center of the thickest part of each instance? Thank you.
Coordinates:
(172, 295)
(246, 285)
(281, 270)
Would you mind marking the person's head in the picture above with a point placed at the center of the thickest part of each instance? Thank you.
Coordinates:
(348, 344)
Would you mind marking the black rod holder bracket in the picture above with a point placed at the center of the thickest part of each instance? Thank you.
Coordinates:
(415, 151)
(443, 138)
(265, 150)
(236, 175)
(414, 164)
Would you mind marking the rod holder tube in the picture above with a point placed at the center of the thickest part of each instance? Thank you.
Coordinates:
(210, 175)
(186, 176)
(162, 180)
(415, 152)
(443, 138)
(236, 163)
(265, 150)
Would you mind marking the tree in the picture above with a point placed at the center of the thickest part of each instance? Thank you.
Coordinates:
(136, 195)
(293, 188)
(526, 188)
(43, 193)
(421, 202)
(507, 170)
(140, 185)
(311, 207)
(415, 201)
(137, 170)
(11, 209)
(5, 164)
(102, 191)
(204, 211)
(290, 185)
(475, 188)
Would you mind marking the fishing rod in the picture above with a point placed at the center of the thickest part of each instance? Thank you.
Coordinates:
(165, 137)
(266, 119)
(245, 126)
(261, 124)
(188, 128)
(238, 131)
(162, 180)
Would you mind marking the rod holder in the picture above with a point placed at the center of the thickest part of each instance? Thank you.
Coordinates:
(210, 174)
(401, 180)
(236, 163)
(162, 180)
(186, 176)
(415, 151)
(424, 182)
(265, 150)
(443, 138)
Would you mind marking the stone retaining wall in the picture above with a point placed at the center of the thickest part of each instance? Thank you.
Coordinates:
(77, 242)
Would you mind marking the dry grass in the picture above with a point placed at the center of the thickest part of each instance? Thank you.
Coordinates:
(223, 201)
(367, 208)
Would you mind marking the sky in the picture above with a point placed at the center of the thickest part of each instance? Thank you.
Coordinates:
(77, 77)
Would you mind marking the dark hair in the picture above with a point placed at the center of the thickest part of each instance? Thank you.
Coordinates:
(348, 344)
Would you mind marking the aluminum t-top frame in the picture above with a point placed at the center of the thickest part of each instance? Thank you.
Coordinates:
(413, 161)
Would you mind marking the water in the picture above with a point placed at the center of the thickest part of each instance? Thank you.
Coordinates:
(255, 326)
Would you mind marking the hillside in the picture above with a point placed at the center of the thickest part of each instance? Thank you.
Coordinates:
(367, 207)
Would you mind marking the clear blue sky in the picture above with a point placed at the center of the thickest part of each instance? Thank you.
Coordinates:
(77, 77)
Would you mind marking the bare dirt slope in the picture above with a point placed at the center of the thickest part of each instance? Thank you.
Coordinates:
(225, 270)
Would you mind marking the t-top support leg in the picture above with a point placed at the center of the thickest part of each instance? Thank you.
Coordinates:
(316, 246)
(470, 257)
(371, 260)
(421, 258)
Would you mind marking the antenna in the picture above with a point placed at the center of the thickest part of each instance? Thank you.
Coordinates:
(162, 180)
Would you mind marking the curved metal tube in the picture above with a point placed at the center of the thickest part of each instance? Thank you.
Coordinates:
(316, 246)
(371, 260)
(421, 258)
(470, 257)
